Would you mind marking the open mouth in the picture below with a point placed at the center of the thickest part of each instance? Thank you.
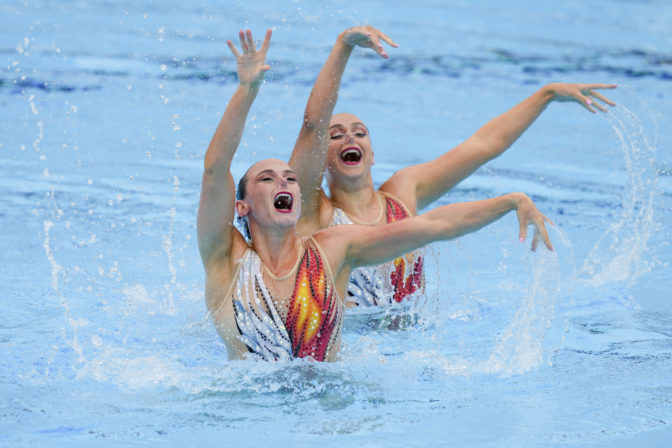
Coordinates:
(283, 202)
(351, 156)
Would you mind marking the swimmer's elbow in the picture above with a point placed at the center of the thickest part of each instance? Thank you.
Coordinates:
(434, 226)
(215, 167)
(210, 164)
(312, 125)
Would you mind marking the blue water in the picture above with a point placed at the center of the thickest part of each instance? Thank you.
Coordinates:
(107, 108)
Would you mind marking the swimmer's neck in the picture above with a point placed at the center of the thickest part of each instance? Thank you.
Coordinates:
(277, 248)
(341, 185)
(361, 202)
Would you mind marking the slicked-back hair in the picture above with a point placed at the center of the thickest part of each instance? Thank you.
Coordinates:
(240, 195)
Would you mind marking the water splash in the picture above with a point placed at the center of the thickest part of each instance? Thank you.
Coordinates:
(167, 246)
(619, 255)
(520, 347)
(56, 268)
(56, 271)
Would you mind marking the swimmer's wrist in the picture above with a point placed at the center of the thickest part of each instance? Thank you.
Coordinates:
(249, 89)
(343, 41)
(514, 200)
(549, 91)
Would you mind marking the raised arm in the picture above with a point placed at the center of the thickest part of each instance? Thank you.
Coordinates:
(369, 245)
(216, 232)
(431, 180)
(310, 151)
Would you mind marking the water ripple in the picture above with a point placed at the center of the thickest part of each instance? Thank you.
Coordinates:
(494, 62)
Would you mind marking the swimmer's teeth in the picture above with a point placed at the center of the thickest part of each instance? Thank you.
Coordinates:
(351, 155)
(283, 202)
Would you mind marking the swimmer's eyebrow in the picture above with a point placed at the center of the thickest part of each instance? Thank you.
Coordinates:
(270, 171)
(339, 125)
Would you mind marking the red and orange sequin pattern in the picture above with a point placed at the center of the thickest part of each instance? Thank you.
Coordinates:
(313, 315)
(403, 287)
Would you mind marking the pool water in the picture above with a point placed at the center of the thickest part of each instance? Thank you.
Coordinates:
(107, 108)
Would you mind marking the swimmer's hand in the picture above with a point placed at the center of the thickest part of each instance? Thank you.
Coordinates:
(367, 37)
(252, 62)
(582, 93)
(529, 214)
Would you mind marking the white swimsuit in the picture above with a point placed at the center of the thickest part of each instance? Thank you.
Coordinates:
(307, 323)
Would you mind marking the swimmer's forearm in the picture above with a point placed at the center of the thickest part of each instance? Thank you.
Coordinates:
(251, 67)
(434, 178)
(324, 94)
(501, 132)
(325, 91)
(374, 245)
(230, 129)
(454, 220)
(310, 150)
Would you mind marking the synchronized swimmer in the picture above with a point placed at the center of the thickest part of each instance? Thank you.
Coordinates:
(343, 149)
(281, 293)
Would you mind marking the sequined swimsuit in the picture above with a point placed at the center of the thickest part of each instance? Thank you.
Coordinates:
(390, 282)
(306, 324)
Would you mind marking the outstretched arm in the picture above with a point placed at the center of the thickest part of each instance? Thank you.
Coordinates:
(310, 151)
(431, 180)
(216, 232)
(368, 245)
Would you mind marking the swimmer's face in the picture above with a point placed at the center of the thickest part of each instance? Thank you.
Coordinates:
(350, 154)
(272, 195)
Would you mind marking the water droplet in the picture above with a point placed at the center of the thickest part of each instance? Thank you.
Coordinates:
(96, 340)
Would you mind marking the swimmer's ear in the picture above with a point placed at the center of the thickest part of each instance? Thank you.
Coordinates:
(242, 208)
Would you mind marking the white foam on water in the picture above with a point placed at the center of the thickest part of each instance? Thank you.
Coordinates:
(123, 367)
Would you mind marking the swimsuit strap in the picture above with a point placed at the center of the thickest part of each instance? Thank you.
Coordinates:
(395, 208)
(338, 214)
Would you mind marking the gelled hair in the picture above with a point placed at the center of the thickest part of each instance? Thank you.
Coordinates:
(242, 188)
(242, 220)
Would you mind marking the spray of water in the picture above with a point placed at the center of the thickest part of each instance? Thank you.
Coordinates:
(57, 271)
(619, 256)
(168, 248)
(520, 347)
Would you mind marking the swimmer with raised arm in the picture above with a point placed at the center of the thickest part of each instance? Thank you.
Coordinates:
(281, 295)
(349, 157)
